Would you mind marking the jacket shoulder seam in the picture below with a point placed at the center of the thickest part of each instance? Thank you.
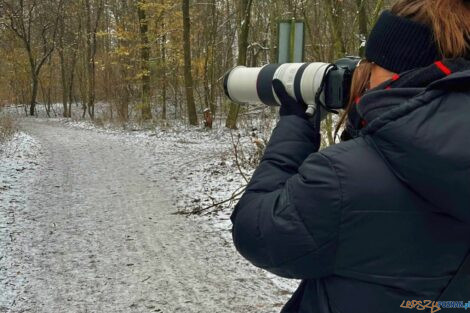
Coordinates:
(341, 203)
(289, 203)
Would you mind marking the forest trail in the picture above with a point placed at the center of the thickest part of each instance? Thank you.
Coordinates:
(96, 234)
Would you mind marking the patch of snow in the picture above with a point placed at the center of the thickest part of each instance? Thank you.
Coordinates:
(20, 158)
(201, 167)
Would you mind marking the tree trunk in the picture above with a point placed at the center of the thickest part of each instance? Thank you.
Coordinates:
(188, 78)
(335, 12)
(63, 74)
(361, 7)
(245, 19)
(91, 31)
(63, 70)
(34, 94)
(212, 59)
(161, 23)
(273, 16)
(164, 82)
(329, 129)
(90, 66)
(146, 112)
(34, 81)
(378, 8)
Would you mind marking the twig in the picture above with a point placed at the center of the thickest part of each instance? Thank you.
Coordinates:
(199, 211)
(378, 8)
(235, 150)
(234, 196)
(146, 279)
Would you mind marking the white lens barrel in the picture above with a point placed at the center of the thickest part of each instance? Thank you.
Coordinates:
(245, 85)
(311, 81)
(287, 73)
(242, 85)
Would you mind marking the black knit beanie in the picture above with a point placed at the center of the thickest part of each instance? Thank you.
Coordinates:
(399, 44)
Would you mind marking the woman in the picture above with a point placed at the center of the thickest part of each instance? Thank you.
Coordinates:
(383, 217)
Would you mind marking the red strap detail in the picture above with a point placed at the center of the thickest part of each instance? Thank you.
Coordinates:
(363, 123)
(395, 77)
(444, 69)
(357, 100)
(388, 88)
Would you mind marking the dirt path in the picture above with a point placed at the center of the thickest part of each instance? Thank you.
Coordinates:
(95, 234)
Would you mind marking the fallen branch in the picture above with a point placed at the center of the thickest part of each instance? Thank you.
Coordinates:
(197, 211)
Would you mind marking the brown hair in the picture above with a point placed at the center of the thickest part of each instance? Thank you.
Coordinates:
(450, 21)
(359, 85)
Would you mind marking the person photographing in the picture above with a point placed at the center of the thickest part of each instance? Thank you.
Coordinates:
(384, 216)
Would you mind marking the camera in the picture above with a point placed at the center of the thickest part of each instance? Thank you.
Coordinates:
(314, 84)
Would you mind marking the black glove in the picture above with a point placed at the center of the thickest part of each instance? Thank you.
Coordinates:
(289, 106)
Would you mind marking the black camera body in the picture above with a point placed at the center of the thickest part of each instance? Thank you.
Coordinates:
(338, 83)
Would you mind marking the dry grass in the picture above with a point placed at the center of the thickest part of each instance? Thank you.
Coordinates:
(7, 127)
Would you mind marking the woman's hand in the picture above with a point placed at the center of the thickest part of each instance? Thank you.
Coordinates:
(289, 106)
(292, 107)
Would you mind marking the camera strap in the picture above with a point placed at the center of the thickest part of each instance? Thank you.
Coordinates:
(320, 90)
(458, 288)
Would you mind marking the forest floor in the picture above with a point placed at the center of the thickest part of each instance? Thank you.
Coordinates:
(88, 223)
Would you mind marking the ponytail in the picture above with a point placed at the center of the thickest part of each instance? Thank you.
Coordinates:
(449, 19)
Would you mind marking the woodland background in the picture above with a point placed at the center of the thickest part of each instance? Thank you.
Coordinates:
(158, 60)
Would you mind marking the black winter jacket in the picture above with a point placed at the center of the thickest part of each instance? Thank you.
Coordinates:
(371, 222)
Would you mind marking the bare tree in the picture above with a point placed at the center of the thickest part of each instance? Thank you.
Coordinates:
(146, 111)
(188, 77)
(244, 21)
(67, 47)
(134, 53)
(363, 33)
(93, 11)
(35, 23)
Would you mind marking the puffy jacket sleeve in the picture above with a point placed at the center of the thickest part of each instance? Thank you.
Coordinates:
(287, 220)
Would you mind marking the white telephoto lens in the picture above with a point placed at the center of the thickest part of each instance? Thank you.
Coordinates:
(242, 85)
(245, 85)
(286, 73)
(311, 81)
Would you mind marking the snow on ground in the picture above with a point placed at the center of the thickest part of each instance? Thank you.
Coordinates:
(202, 163)
(20, 157)
(95, 232)
(200, 167)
